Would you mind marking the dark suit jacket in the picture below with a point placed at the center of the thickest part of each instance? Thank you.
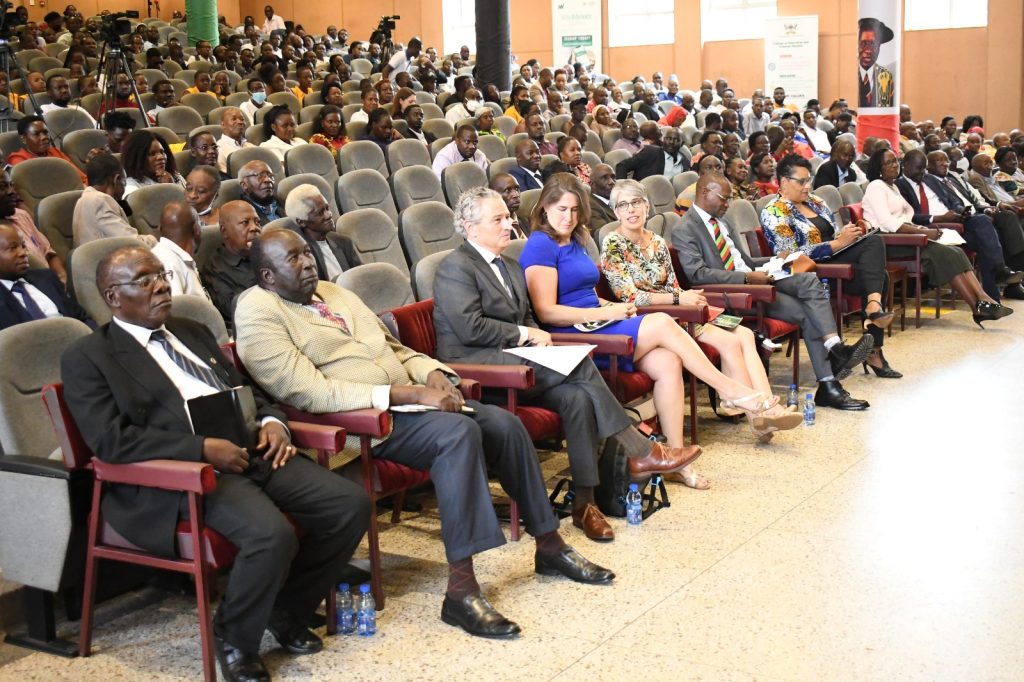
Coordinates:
(524, 178)
(128, 410)
(474, 317)
(430, 136)
(828, 174)
(600, 215)
(650, 160)
(698, 256)
(903, 185)
(342, 247)
(12, 310)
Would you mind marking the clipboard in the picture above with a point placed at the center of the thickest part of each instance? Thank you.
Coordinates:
(873, 230)
(230, 415)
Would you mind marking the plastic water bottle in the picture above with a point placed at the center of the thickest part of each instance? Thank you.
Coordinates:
(634, 512)
(366, 615)
(345, 613)
(794, 397)
(828, 292)
(809, 410)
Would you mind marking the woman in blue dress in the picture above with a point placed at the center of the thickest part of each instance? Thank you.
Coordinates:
(561, 278)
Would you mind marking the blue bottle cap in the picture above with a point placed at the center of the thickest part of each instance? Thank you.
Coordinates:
(810, 397)
(792, 386)
(364, 588)
(633, 487)
(343, 587)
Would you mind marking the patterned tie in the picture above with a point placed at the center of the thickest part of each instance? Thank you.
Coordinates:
(33, 309)
(194, 370)
(723, 248)
(506, 278)
(923, 198)
(326, 313)
(865, 91)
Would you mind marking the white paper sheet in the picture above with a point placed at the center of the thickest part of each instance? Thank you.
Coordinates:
(562, 359)
(949, 237)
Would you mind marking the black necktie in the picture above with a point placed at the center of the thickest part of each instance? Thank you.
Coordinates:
(33, 309)
(503, 269)
(196, 371)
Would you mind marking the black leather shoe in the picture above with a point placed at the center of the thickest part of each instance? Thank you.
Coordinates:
(832, 394)
(474, 614)
(1008, 276)
(295, 639)
(1015, 291)
(238, 666)
(985, 311)
(844, 358)
(572, 565)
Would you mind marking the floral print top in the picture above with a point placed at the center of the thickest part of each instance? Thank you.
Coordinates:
(634, 272)
(786, 229)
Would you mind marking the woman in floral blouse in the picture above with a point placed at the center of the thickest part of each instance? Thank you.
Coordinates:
(798, 221)
(638, 267)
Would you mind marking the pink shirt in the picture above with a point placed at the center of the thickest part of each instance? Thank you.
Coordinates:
(885, 208)
(35, 241)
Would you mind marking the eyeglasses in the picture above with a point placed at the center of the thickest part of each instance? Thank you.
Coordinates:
(800, 181)
(207, 148)
(265, 175)
(632, 203)
(146, 281)
(720, 196)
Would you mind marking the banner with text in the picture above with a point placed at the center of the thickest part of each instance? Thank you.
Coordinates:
(791, 57)
(576, 33)
(879, 32)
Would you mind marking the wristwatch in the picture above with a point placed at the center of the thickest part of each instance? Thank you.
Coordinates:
(675, 298)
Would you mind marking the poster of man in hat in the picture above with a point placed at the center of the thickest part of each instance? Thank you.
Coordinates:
(877, 81)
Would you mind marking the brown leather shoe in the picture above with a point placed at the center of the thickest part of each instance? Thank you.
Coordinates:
(594, 524)
(663, 460)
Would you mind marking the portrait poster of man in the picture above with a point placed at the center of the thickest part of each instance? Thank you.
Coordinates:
(877, 80)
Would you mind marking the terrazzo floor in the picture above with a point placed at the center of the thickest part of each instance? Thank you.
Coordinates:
(878, 546)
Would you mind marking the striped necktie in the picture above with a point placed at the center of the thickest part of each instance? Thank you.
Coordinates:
(723, 248)
(193, 369)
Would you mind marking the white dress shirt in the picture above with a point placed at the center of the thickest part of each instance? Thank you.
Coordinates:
(279, 146)
(935, 205)
(737, 259)
(450, 155)
(489, 259)
(226, 145)
(185, 281)
(47, 108)
(48, 307)
(359, 116)
(249, 111)
(188, 386)
(330, 260)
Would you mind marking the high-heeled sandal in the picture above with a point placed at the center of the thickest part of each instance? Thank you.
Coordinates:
(755, 405)
(883, 372)
(882, 318)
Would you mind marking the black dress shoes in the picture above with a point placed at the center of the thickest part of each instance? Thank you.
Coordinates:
(1015, 291)
(295, 638)
(832, 394)
(238, 666)
(570, 563)
(985, 311)
(474, 614)
(844, 358)
(1008, 276)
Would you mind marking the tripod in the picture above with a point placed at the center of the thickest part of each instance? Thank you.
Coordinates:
(113, 62)
(7, 60)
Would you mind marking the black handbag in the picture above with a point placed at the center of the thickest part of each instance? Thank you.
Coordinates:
(610, 493)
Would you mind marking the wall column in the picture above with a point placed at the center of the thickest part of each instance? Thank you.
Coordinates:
(493, 43)
(202, 21)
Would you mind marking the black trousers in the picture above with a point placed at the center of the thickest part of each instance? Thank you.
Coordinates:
(457, 449)
(869, 275)
(274, 569)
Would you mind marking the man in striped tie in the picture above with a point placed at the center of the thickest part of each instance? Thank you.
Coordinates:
(709, 255)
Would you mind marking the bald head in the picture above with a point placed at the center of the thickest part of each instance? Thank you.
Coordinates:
(528, 154)
(178, 223)
(240, 226)
(650, 131)
(112, 266)
(713, 193)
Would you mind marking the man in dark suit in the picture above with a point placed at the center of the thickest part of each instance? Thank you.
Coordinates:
(839, 168)
(602, 179)
(127, 386)
(334, 253)
(415, 131)
(228, 272)
(482, 306)
(933, 204)
(527, 170)
(1004, 217)
(708, 253)
(29, 293)
(650, 160)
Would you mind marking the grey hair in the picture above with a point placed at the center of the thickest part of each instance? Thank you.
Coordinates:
(298, 205)
(625, 190)
(468, 207)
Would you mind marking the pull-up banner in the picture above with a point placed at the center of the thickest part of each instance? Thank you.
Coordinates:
(791, 57)
(879, 33)
(576, 33)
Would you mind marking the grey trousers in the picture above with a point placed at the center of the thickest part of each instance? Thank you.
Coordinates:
(801, 300)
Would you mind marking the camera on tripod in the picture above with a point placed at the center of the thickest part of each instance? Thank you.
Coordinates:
(113, 26)
(387, 25)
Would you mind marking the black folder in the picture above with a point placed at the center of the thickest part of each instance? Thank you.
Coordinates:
(230, 415)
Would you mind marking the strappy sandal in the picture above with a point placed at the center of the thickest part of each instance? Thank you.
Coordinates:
(762, 425)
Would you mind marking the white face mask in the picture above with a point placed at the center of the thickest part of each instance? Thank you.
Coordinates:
(472, 105)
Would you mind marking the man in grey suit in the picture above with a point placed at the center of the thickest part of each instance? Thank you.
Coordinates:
(481, 307)
(708, 253)
(602, 179)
